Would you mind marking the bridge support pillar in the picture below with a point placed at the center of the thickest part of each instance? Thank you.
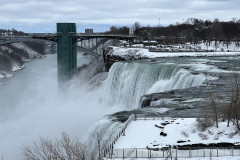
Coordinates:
(66, 51)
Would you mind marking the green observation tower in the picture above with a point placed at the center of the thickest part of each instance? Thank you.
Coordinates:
(66, 51)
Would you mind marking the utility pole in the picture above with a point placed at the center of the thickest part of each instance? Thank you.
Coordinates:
(159, 29)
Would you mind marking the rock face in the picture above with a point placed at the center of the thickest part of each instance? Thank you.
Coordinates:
(110, 59)
(13, 56)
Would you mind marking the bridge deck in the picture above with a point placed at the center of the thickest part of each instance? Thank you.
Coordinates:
(54, 36)
(84, 36)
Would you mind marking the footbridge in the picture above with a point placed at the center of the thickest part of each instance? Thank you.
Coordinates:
(66, 39)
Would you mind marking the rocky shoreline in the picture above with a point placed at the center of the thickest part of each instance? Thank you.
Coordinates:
(13, 56)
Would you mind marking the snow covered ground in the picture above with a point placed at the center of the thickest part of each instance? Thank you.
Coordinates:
(218, 46)
(185, 50)
(144, 133)
(145, 53)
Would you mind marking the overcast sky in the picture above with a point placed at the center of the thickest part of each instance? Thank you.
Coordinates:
(42, 15)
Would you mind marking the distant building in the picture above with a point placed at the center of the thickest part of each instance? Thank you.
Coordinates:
(88, 31)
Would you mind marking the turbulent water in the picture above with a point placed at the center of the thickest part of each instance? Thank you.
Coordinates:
(127, 82)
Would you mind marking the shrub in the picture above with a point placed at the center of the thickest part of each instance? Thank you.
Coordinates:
(204, 123)
(203, 136)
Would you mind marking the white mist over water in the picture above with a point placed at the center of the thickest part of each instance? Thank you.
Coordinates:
(31, 106)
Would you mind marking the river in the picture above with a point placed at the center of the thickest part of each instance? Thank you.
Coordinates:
(37, 73)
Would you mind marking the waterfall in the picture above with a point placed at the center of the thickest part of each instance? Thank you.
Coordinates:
(127, 82)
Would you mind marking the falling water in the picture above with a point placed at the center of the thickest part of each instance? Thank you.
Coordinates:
(127, 82)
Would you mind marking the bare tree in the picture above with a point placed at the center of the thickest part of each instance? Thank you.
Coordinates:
(235, 101)
(214, 107)
(212, 100)
(59, 149)
(226, 112)
(204, 121)
(136, 27)
(217, 30)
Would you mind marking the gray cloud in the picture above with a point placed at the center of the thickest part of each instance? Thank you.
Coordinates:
(110, 12)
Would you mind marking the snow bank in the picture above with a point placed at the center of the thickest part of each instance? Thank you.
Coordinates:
(144, 53)
(5, 74)
(16, 67)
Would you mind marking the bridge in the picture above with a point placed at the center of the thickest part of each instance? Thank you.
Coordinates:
(66, 38)
(52, 37)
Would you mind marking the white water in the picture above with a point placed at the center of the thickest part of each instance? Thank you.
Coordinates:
(127, 82)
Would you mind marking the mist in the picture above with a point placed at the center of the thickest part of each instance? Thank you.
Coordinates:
(32, 106)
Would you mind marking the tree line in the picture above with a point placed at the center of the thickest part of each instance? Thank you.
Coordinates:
(192, 30)
(12, 32)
